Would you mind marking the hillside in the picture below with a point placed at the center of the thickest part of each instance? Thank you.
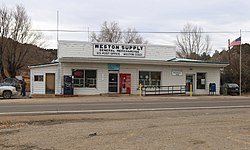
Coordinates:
(231, 73)
(33, 55)
(37, 55)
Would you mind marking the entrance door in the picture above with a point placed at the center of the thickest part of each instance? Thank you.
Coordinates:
(125, 83)
(50, 83)
(189, 81)
(113, 82)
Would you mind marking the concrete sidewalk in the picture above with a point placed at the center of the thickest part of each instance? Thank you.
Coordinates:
(19, 99)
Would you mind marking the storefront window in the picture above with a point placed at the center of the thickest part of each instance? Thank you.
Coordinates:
(148, 78)
(90, 78)
(201, 80)
(84, 78)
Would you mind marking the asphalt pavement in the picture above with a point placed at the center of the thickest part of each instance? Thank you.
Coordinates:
(90, 104)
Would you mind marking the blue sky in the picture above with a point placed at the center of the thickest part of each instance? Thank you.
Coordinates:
(143, 15)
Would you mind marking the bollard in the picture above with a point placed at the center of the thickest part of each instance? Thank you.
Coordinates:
(191, 89)
(140, 89)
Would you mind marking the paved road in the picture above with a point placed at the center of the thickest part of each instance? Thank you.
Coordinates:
(154, 104)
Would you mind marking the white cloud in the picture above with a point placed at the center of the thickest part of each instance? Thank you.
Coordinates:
(143, 15)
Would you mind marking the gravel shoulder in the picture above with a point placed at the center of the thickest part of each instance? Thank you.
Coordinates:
(182, 129)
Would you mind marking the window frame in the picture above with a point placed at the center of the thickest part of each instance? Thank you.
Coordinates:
(80, 83)
(200, 86)
(41, 79)
(149, 80)
(83, 80)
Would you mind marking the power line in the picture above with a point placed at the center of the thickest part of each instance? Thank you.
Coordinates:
(146, 32)
(175, 32)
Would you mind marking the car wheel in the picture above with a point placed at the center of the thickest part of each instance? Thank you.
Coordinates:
(6, 94)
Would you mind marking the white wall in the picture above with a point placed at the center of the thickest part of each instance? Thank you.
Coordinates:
(38, 87)
(212, 76)
(102, 77)
(85, 49)
(167, 79)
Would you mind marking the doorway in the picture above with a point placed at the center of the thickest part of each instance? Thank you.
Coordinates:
(50, 83)
(125, 83)
(189, 81)
(113, 82)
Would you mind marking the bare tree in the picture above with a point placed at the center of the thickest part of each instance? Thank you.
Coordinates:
(192, 42)
(16, 34)
(109, 33)
(5, 19)
(132, 36)
(113, 33)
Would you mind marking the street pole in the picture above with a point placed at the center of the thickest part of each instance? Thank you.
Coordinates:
(240, 63)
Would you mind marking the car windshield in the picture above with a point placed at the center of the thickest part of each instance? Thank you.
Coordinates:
(233, 85)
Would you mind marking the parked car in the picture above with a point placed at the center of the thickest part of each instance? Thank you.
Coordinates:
(7, 91)
(230, 89)
(11, 82)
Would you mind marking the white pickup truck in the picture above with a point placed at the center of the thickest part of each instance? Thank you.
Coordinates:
(7, 91)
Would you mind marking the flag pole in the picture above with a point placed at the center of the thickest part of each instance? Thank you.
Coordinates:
(229, 51)
(240, 63)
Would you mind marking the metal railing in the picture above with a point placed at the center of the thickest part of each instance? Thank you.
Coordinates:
(161, 90)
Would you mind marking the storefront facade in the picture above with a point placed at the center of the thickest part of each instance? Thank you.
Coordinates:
(86, 68)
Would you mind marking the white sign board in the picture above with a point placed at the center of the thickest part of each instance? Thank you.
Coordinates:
(203, 81)
(119, 50)
(176, 72)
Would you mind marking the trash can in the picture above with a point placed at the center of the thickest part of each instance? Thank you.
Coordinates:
(212, 88)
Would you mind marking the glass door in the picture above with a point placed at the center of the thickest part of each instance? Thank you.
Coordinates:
(189, 81)
(113, 82)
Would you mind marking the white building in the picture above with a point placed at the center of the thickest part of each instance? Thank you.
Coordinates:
(99, 68)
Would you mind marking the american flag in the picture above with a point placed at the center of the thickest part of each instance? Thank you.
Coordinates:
(236, 42)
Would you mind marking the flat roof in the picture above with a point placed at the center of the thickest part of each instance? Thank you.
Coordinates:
(172, 62)
(43, 65)
(73, 42)
(196, 61)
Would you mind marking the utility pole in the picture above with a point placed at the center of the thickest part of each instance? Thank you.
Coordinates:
(240, 63)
